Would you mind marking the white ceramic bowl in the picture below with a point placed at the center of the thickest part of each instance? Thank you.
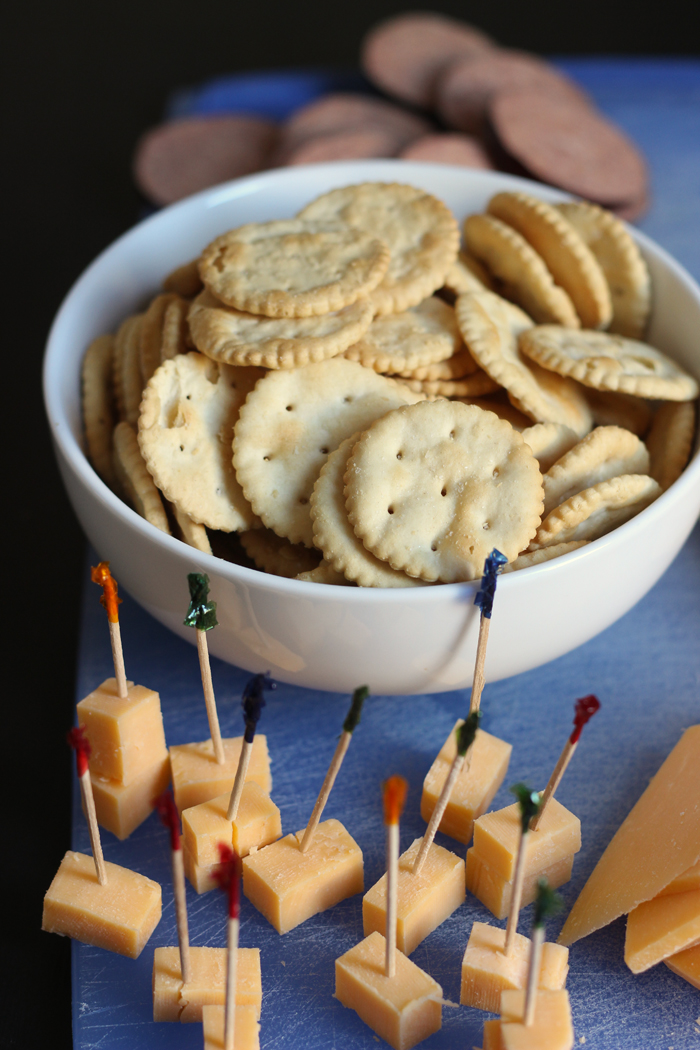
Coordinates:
(335, 638)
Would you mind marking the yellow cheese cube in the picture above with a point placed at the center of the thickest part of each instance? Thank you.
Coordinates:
(551, 1030)
(475, 788)
(289, 886)
(173, 1001)
(245, 1028)
(497, 836)
(487, 970)
(687, 965)
(687, 880)
(119, 916)
(423, 901)
(403, 1009)
(126, 735)
(495, 892)
(661, 927)
(257, 823)
(198, 777)
(121, 808)
(201, 876)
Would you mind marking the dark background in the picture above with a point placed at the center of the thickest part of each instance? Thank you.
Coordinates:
(83, 80)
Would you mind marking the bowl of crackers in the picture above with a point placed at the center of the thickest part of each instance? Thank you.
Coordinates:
(337, 389)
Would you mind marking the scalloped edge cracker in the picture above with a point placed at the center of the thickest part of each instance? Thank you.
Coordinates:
(134, 478)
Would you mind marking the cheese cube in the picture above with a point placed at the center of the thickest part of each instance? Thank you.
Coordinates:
(497, 836)
(687, 965)
(551, 1030)
(245, 1028)
(475, 787)
(495, 892)
(403, 1009)
(201, 876)
(257, 823)
(423, 901)
(121, 808)
(173, 1001)
(687, 880)
(126, 735)
(119, 916)
(661, 927)
(289, 886)
(487, 970)
(198, 777)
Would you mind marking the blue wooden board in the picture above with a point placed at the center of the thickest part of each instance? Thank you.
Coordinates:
(645, 669)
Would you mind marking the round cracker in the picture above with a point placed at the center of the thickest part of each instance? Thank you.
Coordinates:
(421, 232)
(186, 425)
(191, 532)
(605, 453)
(475, 385)
(175, 333)
(670, 440)
(184, 280)
(609, 362)
(593, 513)
(151, 334)
(529, 558)
(491, 328)
(238, 338)
(276, 555)
(98, 406)
(334, 535)
(419, 336)
(291, 422)
(619, 410)
(567, 257)
(502, 408)
(467, 274)
(133, 476)
(324, 573)
(526, 279)
(459, 366)
(293, 267)
(549, 442)
(432, 488)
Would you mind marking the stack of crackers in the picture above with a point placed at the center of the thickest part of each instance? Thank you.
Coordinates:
(347, 397)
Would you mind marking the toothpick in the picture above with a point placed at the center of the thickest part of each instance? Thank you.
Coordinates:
(201, 614)
(547, 903)
(252, 703)
(585, 708)
(228, 875)
(484, 599)
(81, 746)
(101, 575)
(167, 810)
(529, 805)
(395, 790)
(349, 725)
(465, 738)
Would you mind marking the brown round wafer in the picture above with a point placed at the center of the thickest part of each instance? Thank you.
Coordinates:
(562, 142)
(405, 55)
(344, 145)
(184, 156)
(448, 148)
(464, 90)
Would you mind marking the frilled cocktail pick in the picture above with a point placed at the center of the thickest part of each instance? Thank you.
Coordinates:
(484, 599)
(252, 703)
(529, 802)
(584, 710)
(547, 903)
(201, 614)
(111, 601)
(394, 796)
(349, 725)
(167, 811)
(81, 745)
(228, 876)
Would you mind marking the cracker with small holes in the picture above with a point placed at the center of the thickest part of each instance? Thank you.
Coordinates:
(525, 561)
(184, 280)
(605, 453)
(566, 255)
(549, 442)
(186, 425)
(293, 267)
(98, 405)
(191, 532)
(670, 440)
(523, 273)
(419, 336)
(621, 261)
(459, 366)
(276, 555)
(609, 362)
(467, 274)
(238, 338)
(491, 328)
(289, 425)
(134, 478)
(151, 334)
(421, 232)
(432, 488)
(619, 410)
(597, 510)
(475, 385)
(334, 535)
(324, 573)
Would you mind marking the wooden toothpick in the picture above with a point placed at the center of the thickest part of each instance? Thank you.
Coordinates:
(465, 734)
(167, 810)
(228, 875)
(547, 903)
(101, 575)
(484, 599)
(529, 802)
(395, 790)
(585, 708)
(201, 614)
(80, 744)
(252, 703)
(349, 725)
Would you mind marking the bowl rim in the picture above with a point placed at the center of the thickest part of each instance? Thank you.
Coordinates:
(76, 459)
